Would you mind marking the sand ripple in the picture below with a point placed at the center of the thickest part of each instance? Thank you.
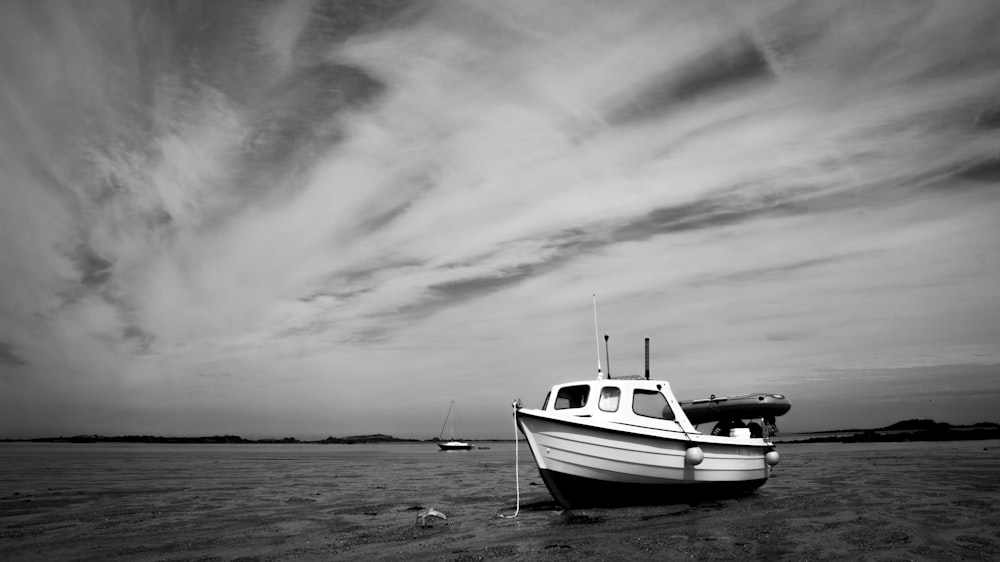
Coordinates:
(888, 501)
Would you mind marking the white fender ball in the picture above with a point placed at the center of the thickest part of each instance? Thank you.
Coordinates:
(693, 456)
(771, 458)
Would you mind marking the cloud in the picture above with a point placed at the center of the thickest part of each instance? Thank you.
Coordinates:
(279, 193)
(8, 357)
(732, 65)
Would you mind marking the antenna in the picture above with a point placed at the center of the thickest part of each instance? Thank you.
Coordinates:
(597, 335)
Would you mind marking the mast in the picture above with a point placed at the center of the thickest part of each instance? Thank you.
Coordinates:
(647, 359)
(445, 424)
(607, 353)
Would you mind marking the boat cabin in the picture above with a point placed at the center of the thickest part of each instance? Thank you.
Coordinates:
(638, 402)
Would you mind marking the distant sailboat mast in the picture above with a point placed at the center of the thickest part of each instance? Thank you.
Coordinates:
(451, 444)
(446, 420)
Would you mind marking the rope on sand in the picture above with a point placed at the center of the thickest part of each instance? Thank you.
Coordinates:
(517, 479)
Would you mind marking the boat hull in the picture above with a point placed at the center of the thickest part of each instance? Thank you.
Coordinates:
(589, 463)
(576, 492)
(456, 446)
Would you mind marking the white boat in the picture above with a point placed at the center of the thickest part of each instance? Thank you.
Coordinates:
(627, 441)
(616, 442)
(452, 444)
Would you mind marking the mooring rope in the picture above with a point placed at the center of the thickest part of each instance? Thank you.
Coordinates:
(517, 478)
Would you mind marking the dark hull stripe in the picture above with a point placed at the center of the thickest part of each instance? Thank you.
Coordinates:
(575, 492)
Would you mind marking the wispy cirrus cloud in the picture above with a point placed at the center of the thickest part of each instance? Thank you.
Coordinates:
(283, 192)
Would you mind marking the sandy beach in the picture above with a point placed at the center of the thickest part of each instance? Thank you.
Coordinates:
(886, 501)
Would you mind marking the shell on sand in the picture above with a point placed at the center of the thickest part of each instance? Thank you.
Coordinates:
(429, 512)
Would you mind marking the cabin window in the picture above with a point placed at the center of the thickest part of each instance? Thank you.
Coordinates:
(610, 396)
(572, 397)
(667, 413)
(546, 403)
(649, 403)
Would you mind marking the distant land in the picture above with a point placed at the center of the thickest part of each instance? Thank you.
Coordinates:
(350, 440)
(908, 430)
(234, 439)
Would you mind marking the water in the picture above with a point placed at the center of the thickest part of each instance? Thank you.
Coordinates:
(373, 473)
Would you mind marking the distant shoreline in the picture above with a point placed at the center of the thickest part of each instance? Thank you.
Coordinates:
(909, 430)
(235, 439)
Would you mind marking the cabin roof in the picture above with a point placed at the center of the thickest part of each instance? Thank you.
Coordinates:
(631, 382)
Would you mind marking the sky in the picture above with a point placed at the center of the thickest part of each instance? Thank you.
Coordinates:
(310, 219)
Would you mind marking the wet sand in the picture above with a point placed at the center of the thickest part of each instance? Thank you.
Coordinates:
(882, 501)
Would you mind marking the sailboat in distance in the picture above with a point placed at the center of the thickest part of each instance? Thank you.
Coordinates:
(452, 445)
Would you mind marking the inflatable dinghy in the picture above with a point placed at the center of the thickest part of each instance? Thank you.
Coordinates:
(714, 409)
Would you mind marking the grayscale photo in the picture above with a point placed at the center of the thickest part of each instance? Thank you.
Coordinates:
(499, 280)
